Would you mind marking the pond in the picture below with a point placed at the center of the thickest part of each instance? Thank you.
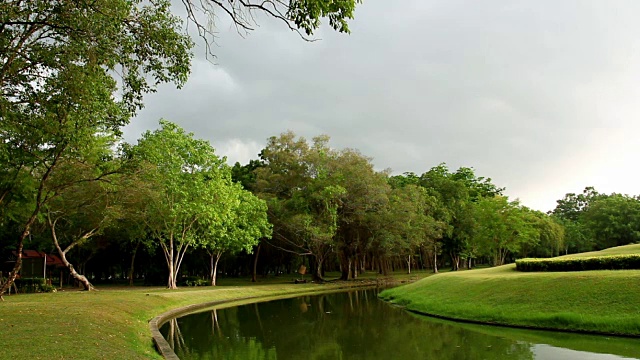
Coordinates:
(356, 325)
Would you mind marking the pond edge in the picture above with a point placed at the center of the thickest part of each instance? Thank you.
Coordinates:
(515, 326)
(167, 352)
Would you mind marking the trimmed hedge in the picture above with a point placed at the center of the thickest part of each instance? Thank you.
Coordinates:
(613, 262)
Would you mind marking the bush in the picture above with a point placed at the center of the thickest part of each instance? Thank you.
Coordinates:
(194, 281)
(614, 262)
(47, 288)
(29, 285)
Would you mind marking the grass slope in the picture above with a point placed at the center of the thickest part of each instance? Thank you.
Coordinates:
(618, 250)
(113, 323)
(592, 301)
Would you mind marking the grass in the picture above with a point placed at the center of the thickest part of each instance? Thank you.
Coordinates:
(593, 301)
(112, 323)
(618, 250)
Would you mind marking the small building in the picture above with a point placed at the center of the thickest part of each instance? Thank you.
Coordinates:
(37, 264)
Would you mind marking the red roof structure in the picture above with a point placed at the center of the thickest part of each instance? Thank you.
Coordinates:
(52, 260)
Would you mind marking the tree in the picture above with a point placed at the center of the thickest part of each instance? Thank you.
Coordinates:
(451, 209)
(613, 220)
(189, 186)
(77, 215)
(59, 66)
(456, 192)
(552, 236)
(570, 212)
(365, 193)
(302, 195)
(303, 17)
(246, 175)
(504, 227)
(412, 221)
(573, 205)
(238, 228)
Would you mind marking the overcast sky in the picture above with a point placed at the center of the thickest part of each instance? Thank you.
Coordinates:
(541, 96)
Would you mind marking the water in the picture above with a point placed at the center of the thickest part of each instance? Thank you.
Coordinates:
(356, 325)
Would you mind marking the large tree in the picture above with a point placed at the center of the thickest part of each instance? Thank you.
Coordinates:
(613, 220)
(366, 193)
(570, 212)
(239, 226)
(70, 70)
(302, 195)
(504, 227)
(189, 186)
(79, 212)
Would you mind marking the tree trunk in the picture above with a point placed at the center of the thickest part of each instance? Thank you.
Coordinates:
(214, 266)
(455, 261)
(354, 273)
(503, 256)
(16, 268)
(171, 282)
(27, 226)
(409, 264)
(174, 260)
(255, 264)
(63, 254)
(317, 274)
(133, 258)
(435, 260)
(345, 266)
(86, 285)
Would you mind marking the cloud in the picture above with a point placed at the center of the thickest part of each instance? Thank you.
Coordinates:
(540, 96)
(238, 150)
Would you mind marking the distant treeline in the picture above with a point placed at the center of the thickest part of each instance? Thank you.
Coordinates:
(170, 208)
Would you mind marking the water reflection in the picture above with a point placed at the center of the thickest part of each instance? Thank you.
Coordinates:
(356, 325)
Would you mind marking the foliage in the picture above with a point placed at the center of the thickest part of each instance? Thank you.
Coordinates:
(614, 220)
(596, 221)
(190, 186)
(614, 262)
(29, 285)
(303, 17)
(194, 281)
(239, 226)
(505, 227)
(60, 64)
(302, 196)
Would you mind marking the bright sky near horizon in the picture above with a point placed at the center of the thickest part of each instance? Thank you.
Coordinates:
(541, 96)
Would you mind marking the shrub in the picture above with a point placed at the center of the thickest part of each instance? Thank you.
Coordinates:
(195, 281)
(614, 262)
(29, 285)
(47, 288)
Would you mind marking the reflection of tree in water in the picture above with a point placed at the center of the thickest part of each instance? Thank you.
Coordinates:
(333, 326)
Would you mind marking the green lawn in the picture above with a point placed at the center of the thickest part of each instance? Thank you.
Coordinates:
(598, 301)
(618, 250)
(112, 323)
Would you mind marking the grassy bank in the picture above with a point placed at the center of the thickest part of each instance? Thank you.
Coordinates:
(592, 301)
(112, 323)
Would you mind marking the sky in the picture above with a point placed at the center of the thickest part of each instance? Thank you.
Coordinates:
(542, 97)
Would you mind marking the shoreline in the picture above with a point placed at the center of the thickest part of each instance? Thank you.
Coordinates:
(165, 350)
(601, 302)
